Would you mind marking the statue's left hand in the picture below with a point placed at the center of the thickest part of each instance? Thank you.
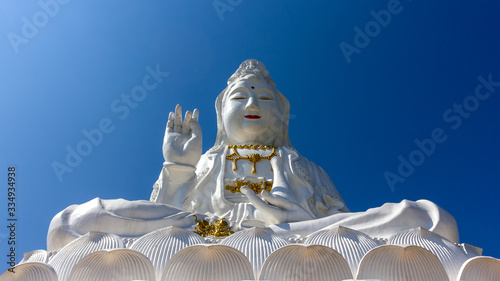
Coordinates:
(276, 209)
(280, 206)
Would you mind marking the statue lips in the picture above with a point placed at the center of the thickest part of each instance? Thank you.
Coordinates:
(252, 116)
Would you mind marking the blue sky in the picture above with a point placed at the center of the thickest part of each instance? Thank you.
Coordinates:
(67, 66)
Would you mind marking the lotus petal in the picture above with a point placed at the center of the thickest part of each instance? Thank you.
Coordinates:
(401, 263)
(450, 254)
(480, 268)
(471, 251)
(128, 241)
(256, 244)
(51, 255)
(208, 263)
(30, 271)
(37, 255)
(351, 244)
(305, 262)
(113, 265)
(71, 254)
(160, 245)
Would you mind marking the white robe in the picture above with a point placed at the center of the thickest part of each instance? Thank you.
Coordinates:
(202, 192)
(310, 187)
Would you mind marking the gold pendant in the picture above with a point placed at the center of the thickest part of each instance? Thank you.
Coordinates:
(252, 158)
(256, 187)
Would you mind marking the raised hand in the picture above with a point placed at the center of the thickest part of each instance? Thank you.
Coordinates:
(182, 141)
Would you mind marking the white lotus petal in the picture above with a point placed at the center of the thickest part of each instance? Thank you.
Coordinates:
(71, 254)
(471, 251)
(256, 244)
(51, 255)
(401, 263)
(480, 268)
(30, 271)
(351, 244)
(113, 265)
(305, 262)
(37, 255)
(160, 245)
(450, 255)
(128, 241)
(208, 263)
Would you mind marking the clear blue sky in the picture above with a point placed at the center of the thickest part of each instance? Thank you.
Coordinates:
(64, 68)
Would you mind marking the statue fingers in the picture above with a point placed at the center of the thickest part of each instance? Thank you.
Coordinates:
(261, 205)
(196, 114)
(254, 199)
(170, 123)
(194, 124)
(277, 201)
(292, 211)
(186, 124)
(178, 119)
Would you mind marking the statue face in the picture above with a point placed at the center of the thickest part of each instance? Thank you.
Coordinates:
(252, 113)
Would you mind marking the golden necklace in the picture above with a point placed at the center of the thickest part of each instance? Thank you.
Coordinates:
(256, 187)
(253, 157)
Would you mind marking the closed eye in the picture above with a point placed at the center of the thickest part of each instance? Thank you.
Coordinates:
(265, 98)
(238, 97)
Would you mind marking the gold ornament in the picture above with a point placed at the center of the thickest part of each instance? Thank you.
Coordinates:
(252, 158)
(218, 228)
(256, 187)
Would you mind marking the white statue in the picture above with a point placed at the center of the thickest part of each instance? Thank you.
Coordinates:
(252, 123)
(252, 176)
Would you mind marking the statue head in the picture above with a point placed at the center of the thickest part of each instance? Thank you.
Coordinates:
(251, 109)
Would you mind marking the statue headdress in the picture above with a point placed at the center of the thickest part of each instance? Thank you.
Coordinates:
(251, 66)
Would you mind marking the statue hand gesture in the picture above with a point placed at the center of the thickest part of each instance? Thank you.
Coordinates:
(277, 207)
(182, 142)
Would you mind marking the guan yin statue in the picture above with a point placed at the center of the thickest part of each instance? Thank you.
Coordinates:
(253, 183)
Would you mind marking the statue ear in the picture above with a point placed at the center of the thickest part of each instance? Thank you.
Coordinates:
(285, 139)
(221, 132)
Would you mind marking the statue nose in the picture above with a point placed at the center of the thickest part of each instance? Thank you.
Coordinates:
(251, 105)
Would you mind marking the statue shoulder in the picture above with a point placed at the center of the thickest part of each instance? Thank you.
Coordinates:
(208, 162)
(319, 180)
(305, 168)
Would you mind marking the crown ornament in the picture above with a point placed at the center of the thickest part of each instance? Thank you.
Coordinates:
(251, 66)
